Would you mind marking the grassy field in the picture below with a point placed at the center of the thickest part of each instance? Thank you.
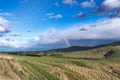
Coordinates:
(109, 52)
(95, 64)
(116, 54)
(51, 68)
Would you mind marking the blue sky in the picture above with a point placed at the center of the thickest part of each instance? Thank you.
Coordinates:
(51, 24)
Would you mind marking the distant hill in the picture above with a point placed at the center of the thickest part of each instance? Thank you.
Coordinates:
(72, 48)
(117, 43)
(108, 51)
(83, 48)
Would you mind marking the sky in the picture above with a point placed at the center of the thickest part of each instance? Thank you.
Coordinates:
(50, 24)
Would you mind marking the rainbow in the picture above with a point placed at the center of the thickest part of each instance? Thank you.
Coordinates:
(67, 41)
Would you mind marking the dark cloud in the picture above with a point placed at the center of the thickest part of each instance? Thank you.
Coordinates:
(114, 14)
(101, 9)
(83, 29)
(29, 31)
(1, 35)
(79, 15)
(7, 39)
(109, 7)
(15, 35)
(92, 25)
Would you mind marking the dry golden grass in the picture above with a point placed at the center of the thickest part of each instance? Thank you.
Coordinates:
(11, 68)
(50, 68)
(91, 74)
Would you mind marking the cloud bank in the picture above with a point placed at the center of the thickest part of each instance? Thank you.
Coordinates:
(53, 38)
(102, 29)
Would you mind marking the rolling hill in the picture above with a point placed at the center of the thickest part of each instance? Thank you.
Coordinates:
(108, 51)
(51, 68)
(72, 63)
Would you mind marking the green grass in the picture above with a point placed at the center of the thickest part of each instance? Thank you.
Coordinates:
(52, 68)
(116, 54)
(97, 53)
(77, 65)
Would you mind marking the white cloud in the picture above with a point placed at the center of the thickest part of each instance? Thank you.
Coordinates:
(79, 15)
(104, 29)
(3, 21)
(58, 16)
(2, 29)
(36, 38)
(88, 4)
(48, 37)
(52, 16)
(49, 14)
(7, 43)
(70, 2)
(15, 42)
(108, 6)
(111, 4)
(4, 25)
(5, 14)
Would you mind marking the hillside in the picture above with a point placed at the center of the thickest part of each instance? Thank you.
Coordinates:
(108, 51)
(73, 63)
(50, 68)
(85, 52)
(72, 48)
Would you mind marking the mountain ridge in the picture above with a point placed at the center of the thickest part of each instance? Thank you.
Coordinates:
(82, 48)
